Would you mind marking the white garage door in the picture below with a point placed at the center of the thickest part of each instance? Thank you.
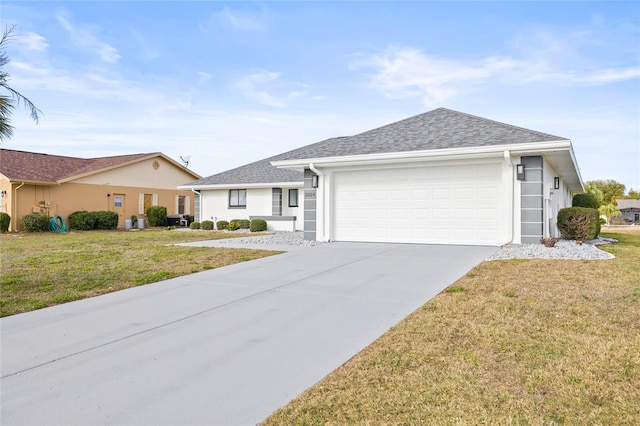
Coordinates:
(430, 204)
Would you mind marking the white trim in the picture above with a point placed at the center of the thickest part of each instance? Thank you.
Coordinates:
(245, 185)
(435, 154)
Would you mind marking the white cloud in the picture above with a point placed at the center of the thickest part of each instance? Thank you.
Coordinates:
(86, 86)
(33, 41)
(244, 21)
(401, 72)
(83, 36)
(407, 72)
(269, 89)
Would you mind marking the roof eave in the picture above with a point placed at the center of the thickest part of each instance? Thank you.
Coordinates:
(424, 155)
(14, 181)
(242, 185)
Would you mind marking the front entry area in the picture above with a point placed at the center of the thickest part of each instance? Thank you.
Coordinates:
(118, 207)
(445, 204)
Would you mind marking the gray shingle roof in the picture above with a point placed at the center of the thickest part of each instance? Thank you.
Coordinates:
(438, 129)
(628, 204)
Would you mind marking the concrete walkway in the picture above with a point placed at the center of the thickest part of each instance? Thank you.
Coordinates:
(222, 347)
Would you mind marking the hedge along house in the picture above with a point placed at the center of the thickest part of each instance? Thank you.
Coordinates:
(442, 177)
(254, 191)
(58, 185)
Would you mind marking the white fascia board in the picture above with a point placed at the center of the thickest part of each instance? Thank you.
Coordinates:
(244, 186)
(427, 155)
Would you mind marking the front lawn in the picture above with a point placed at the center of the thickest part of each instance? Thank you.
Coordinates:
(45, 269)
(513, 342)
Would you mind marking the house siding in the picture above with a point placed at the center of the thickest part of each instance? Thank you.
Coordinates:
(310, 206)
(260, 202)
(64, 199)
(532, 201)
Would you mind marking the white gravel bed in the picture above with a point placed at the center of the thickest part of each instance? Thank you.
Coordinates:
(564, 249)
(274, 239)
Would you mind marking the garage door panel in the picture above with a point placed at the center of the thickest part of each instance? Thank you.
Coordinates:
(423, 205)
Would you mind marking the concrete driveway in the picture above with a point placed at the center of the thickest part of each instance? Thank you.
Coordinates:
(222, 347)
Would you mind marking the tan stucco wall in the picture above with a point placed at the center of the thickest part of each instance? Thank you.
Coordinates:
(5, 189)
(142, 174)
(70, 197)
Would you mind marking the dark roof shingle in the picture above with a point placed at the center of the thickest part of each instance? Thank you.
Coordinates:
(36, 167)
(438, 129)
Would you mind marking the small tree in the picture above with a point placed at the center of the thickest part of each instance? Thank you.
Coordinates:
(609, 211)
(10, 97)
(585, 200)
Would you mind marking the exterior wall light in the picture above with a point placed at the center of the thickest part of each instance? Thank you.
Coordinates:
(556, 183)
(520, 171)
(314, 181)
(3, 193)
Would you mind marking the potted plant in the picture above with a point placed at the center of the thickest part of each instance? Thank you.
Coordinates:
(134, 220)
(548, 242)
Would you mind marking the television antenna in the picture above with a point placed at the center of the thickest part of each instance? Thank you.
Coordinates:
(185, 160)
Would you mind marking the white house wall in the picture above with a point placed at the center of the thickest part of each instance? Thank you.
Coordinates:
(555, 199)
(214, 205)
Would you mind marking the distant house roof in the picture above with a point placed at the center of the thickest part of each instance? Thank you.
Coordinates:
(625, 204)
(46, 168)
(438, 129)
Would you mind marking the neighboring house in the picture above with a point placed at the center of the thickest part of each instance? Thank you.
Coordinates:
(442, 177)
(56, 185)
(630, 210)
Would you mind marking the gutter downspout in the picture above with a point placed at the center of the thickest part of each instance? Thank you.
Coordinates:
(199, 203)
(323, 237)
(14, 205)
(510, 165)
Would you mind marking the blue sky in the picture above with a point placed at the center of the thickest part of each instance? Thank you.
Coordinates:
(233, 82)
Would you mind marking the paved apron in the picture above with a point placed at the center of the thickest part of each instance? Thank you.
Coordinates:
(221, 347)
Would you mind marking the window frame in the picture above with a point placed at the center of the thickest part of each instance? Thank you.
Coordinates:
(238, 205)
(297, 192)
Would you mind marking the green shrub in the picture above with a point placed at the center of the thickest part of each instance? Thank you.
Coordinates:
(82, 221)
(194, 225)
(233, 225)
(221, 224)
(585, 200)
(5, 220)
(242, 223)
(156, 215)
(105, 220)
(207, 225)
(35, 223)
(579, 223)
(258, 225)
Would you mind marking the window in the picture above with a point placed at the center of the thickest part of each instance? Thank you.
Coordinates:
(180, 204)
(237, 198)
(293, 198)
(117, 201)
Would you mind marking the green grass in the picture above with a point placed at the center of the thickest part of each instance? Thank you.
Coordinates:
(528, 342)
(45, 269)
